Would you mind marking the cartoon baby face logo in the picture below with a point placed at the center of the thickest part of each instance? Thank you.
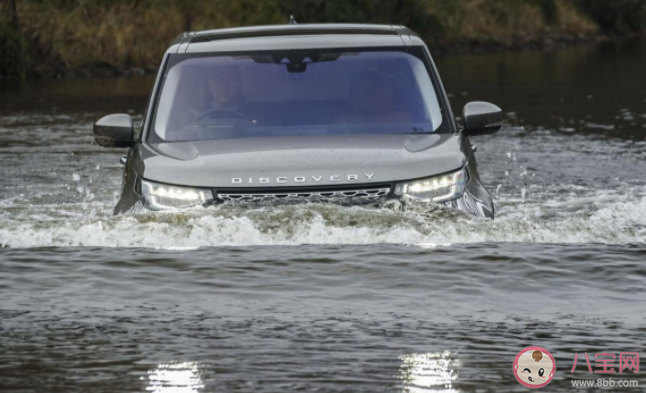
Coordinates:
(534, 367)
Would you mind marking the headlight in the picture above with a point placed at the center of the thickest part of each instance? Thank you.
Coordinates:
(165, 197)
(435, 189)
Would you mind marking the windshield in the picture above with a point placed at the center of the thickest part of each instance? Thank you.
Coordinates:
(319, 92)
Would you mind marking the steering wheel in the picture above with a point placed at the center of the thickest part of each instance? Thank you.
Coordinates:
(229, 124)
(220, 114)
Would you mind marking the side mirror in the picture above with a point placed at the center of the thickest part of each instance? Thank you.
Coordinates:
(115, 131)
(481, 118)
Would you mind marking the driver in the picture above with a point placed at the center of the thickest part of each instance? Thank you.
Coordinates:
(225, 90)
(224, 98)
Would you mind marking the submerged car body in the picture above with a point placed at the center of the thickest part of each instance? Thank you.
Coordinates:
(300, 113)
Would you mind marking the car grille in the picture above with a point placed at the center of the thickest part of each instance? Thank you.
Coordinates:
(363, 193)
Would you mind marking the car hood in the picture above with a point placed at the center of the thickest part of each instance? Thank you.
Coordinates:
(300, 160)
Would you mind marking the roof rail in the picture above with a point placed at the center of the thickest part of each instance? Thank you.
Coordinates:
(291, 30)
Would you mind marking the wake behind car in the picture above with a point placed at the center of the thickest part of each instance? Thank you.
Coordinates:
(299, 113)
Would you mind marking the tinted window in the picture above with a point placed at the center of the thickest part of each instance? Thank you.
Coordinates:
(295, 93)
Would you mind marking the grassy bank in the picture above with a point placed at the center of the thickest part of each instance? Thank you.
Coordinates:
(52, 36)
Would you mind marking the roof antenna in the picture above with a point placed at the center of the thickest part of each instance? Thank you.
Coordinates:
(292, 21)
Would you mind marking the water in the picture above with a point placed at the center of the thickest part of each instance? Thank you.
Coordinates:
(329, 298)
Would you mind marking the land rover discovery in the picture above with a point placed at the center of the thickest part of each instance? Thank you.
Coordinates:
(320, 112)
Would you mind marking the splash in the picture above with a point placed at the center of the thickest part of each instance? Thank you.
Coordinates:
(567, 216)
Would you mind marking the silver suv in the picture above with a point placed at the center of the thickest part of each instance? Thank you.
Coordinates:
(298, 113)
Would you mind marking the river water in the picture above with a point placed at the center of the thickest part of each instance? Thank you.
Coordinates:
(331, 298)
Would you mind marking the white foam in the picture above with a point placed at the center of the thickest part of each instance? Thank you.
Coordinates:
(596, 217)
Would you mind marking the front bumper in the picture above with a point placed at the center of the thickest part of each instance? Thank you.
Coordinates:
(475, 200)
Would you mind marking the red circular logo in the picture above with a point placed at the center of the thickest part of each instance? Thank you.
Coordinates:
(534, 367)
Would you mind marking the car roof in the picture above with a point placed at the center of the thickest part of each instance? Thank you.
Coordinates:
(294, 36)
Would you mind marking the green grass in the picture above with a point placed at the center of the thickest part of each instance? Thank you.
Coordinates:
(13, 51)
(73, 34)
